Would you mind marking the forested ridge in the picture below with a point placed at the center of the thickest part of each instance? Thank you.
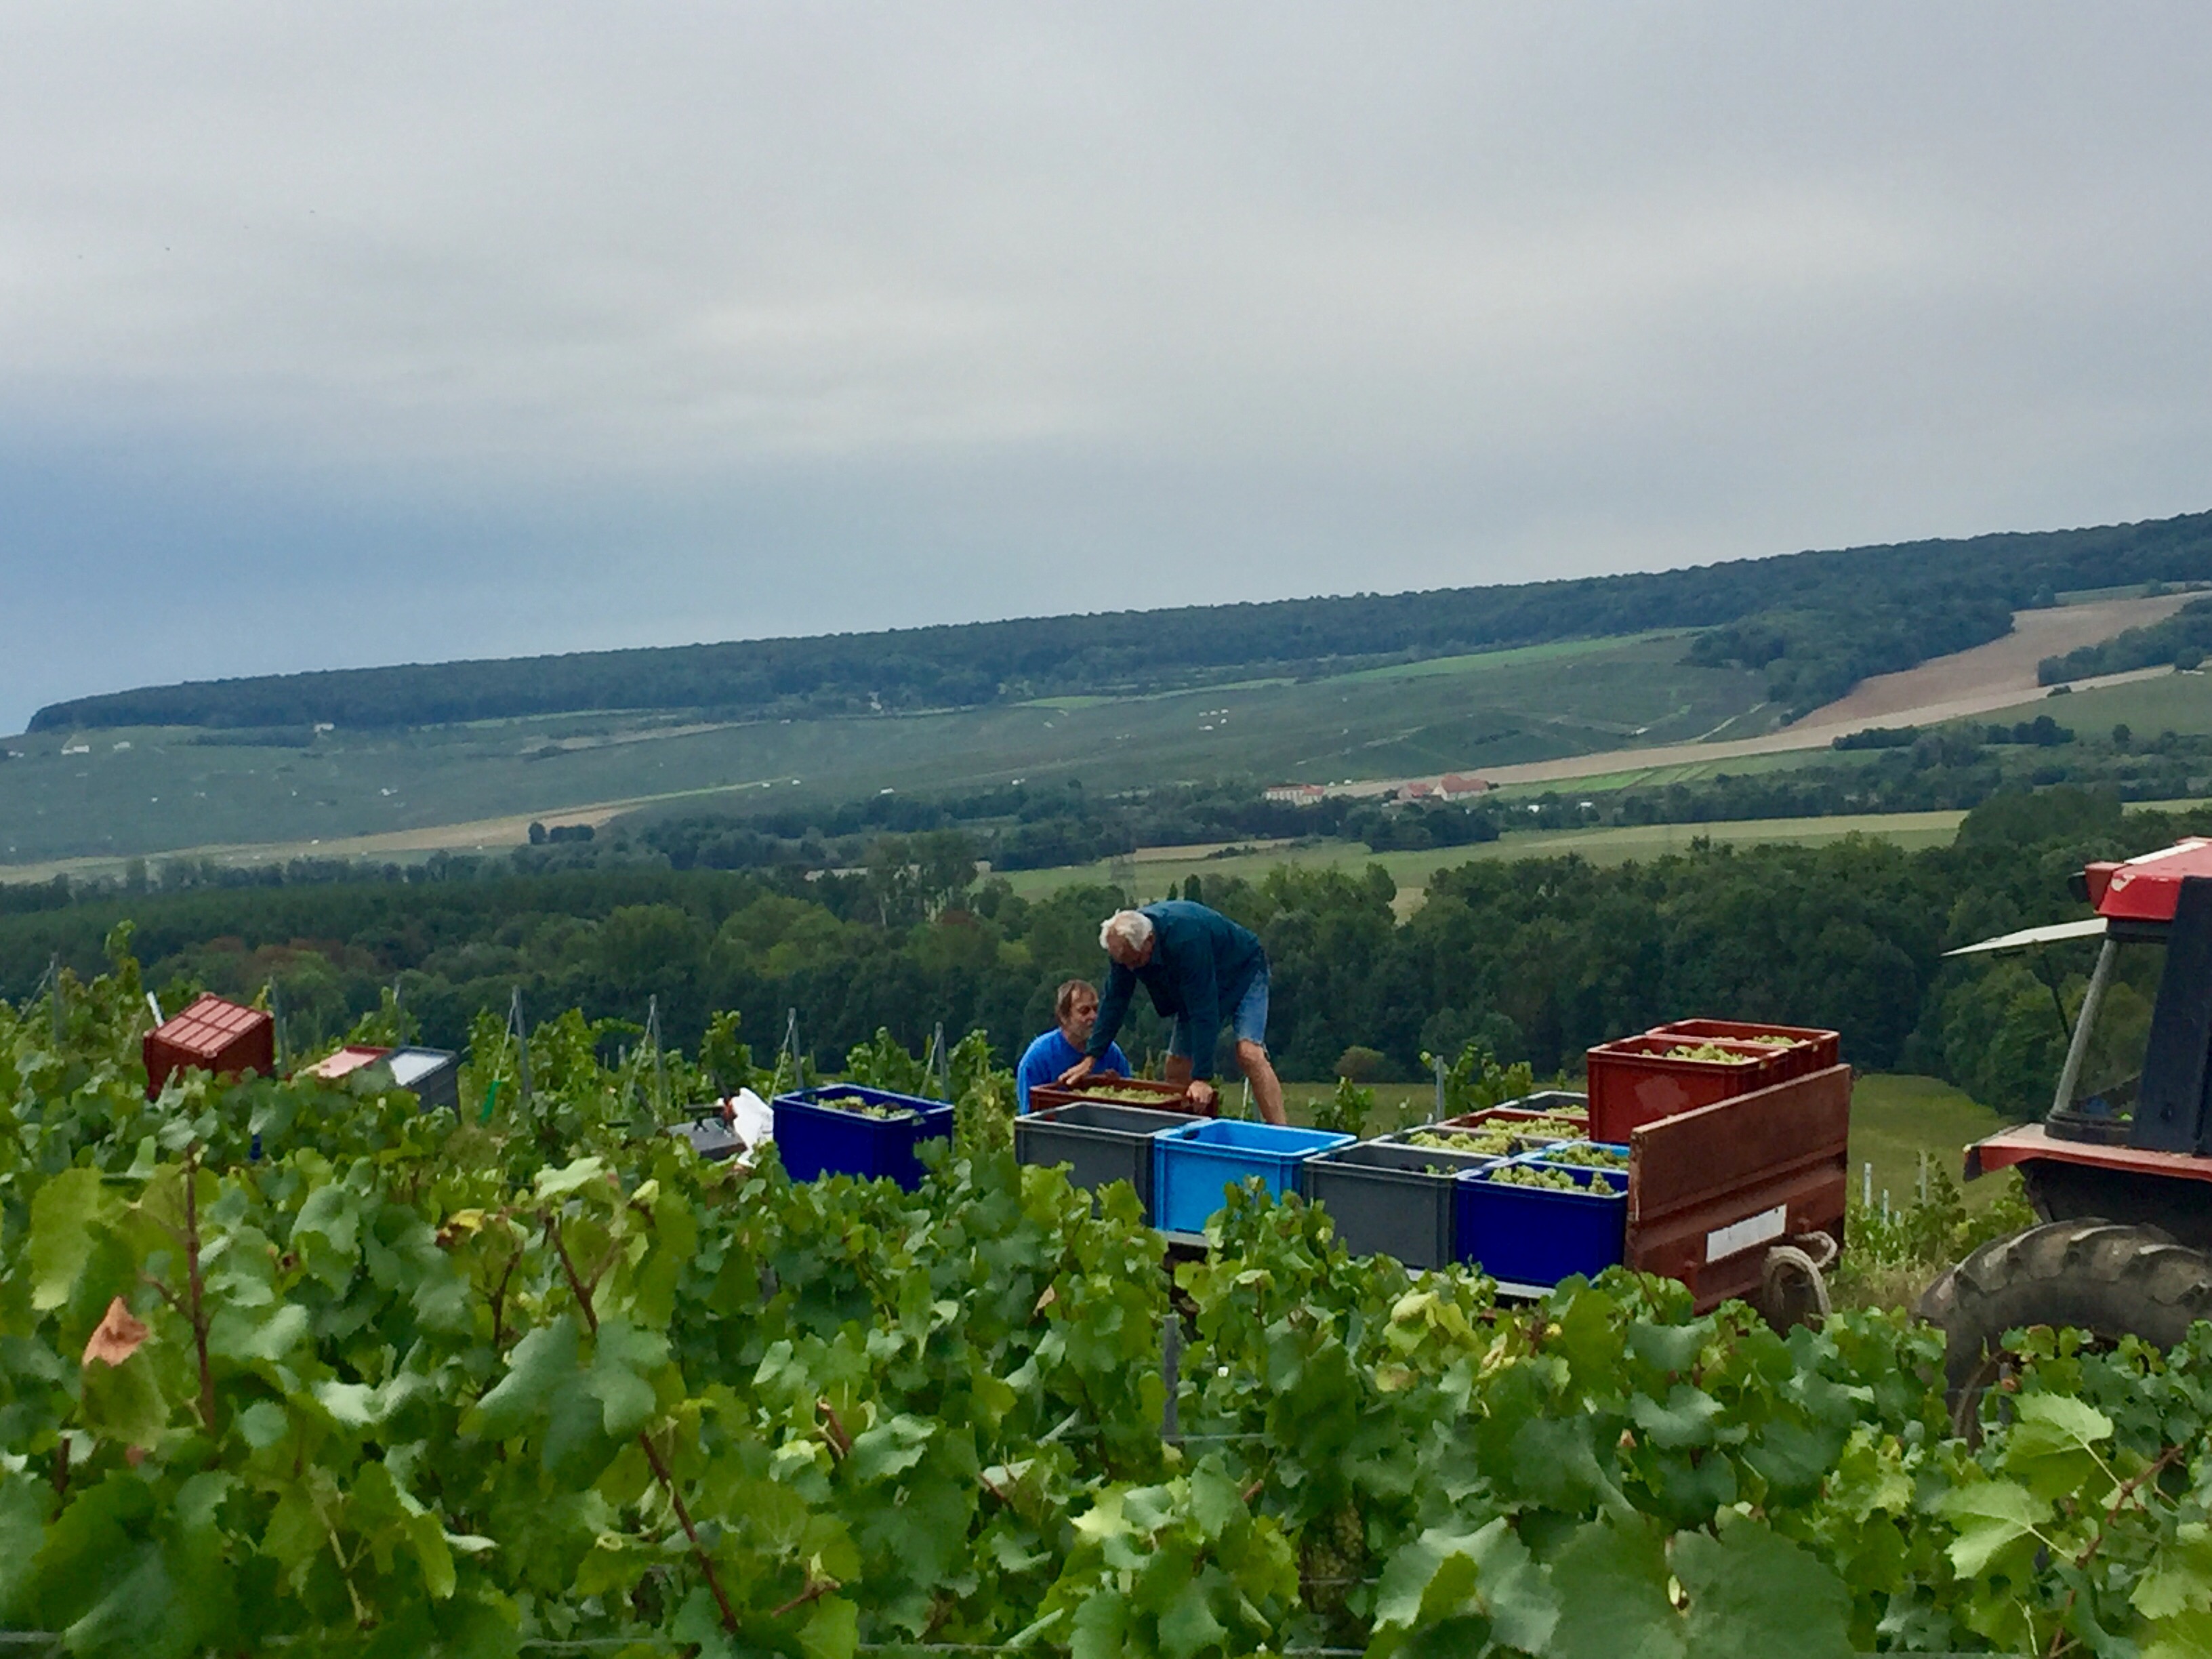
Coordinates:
(1537, 958)
(1815, 623)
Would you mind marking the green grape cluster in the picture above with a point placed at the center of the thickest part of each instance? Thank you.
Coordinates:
(1589, 1154)
(1710, 1051)
(1484, 1141)
(1529, 1174)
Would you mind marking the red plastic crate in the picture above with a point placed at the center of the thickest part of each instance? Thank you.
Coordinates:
(1166, 1096)
(1815, 1050)
(1634, 1080)
(213, 1035)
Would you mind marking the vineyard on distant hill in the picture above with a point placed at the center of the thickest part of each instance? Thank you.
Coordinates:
(1816, 622)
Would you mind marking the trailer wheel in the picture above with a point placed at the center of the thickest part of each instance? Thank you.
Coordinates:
(2097, 1276)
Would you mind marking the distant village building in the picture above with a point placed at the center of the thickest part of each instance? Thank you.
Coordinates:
(1418, 792)
(1295, 794)
(1459, 785)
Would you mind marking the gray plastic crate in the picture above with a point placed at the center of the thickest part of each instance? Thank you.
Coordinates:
(1386, 1199)
(1098, 1140)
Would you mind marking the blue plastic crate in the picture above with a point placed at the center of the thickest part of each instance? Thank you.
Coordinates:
(1192, 1165)
(1540, 1235)
(815, 1140)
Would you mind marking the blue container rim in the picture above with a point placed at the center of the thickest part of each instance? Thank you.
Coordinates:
(1222, 1135)
(817, 1099)
(1588, 1175)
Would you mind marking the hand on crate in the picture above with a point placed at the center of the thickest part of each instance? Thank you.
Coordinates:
(1202, 1095)
(1075, 1074)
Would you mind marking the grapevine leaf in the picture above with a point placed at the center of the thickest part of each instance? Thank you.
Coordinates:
(1670, 1348)
(61, 1237)
(2180, 1577)
(116, 1337)
(539, 1361)
(892, 1447)
(1099, 1627)
(351, 1405)
(22, 1530)
(2051, 1449)
(1447, 1576)
(1686, 1420)
(263, 1423)
(128, 1617)
(2180, 1635)
(620, 1353)
(832, 1630)
(1188, 1624)
(1215, 1502)
(572, 1177)
(577, 1445)
(1991, 1517)
(1611, 1585)
(124, 1402)
(1752, 1591)
(236, 1334)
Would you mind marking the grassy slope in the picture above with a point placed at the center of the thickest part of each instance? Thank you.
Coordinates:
(165, 792)
(2169, 703)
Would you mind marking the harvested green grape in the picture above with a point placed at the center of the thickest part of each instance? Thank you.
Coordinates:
(1526, 1175)
(1774, 1040)
(1553, 1128)
(1711, 1052)
(865, 1107)
(1122, 1093)
(1489, 1142)
(1589, 1154)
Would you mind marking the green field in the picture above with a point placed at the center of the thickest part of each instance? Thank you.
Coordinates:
(1896, 1118)
(2166, 702)
(152, 791)
(1411, 871)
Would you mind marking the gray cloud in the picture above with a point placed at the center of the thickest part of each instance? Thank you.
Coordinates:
(349, 335)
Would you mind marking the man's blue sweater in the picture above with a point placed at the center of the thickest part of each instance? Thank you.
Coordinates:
(1052, 1053)
(1200, 967)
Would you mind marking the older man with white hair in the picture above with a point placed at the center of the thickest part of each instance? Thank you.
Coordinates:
(1203, 971)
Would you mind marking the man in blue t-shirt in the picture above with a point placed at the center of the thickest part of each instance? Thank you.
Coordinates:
(1076, 1007)
(1204, 972)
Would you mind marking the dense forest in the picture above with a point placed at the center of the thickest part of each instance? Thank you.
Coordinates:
(1537, 958)
(1814, 622)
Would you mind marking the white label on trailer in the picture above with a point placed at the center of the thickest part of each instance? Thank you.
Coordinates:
(1738, 1236)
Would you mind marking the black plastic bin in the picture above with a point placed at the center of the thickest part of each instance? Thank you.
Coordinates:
(1099, 1141)
(711, 1138)
(1388, 1200)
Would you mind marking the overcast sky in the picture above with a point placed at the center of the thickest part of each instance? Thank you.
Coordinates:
(335, 335)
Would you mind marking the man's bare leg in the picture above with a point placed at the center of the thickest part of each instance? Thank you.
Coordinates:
(1177, 1071)
(1266, 1088)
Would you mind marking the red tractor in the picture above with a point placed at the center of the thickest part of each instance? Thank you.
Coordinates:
(2120, 1171)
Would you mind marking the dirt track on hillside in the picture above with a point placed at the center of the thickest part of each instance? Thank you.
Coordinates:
(1998, 675)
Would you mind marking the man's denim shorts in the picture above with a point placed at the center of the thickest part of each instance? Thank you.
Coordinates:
(1249, 1022)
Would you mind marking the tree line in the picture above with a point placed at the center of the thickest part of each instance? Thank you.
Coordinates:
(1814, 622)
(1534, 958)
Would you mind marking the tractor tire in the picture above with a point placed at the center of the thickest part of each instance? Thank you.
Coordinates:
(2096, 1276)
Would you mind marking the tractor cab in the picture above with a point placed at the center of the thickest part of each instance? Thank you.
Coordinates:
(2128, 1134)
(2120, 1172)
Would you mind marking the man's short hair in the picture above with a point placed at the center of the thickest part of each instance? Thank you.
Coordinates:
(1063, 1000)
(1132, 927)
